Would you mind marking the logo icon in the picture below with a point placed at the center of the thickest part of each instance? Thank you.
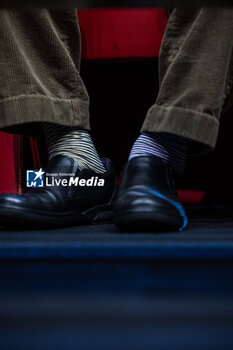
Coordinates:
(35, 178)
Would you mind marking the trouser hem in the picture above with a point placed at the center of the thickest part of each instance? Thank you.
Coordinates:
(21, 110)
(201, 128)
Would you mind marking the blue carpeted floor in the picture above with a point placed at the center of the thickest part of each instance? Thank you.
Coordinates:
(92, 287)
(204, 238)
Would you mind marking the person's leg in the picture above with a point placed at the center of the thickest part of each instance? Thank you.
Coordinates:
(195, 80)
(41, 91)
(40, 64)
(195, 61)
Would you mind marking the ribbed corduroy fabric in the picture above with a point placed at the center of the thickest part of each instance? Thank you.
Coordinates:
(196, 75)
(40, 64)
(40, 73)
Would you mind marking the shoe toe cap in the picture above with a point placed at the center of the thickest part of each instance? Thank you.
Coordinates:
(11, 200)
(150, 208)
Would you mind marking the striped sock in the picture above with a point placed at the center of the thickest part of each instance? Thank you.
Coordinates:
(171, 148)
(74, 143)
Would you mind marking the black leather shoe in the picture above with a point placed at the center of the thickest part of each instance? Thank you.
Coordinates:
(147, 199)
(57, 204)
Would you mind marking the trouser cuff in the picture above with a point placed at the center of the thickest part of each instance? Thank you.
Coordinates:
(22, 110)
(201, 128)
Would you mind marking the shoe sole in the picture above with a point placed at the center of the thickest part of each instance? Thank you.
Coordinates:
(14, 218)
(147, 222)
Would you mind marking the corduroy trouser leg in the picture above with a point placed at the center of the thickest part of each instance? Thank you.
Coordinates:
(196, 75)
(39, 70)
